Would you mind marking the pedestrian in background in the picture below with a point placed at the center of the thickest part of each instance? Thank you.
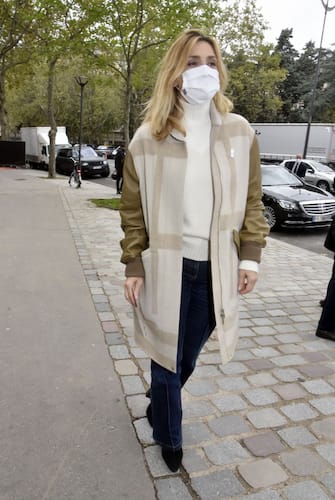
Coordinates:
(326, 325)
(119, 161)
(192, 215)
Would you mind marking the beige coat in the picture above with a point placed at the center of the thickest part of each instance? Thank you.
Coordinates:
(152, 219)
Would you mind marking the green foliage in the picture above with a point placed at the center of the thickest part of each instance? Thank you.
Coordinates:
(111, 203)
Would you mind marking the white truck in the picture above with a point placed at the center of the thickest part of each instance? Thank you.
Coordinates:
(283, 141)
(38, 143)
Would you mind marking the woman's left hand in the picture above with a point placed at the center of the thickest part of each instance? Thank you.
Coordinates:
(246, 281)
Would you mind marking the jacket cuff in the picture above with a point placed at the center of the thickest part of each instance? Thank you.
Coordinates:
(134, 268)
(250, 251)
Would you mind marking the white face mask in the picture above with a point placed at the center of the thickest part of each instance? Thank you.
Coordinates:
(200, 84)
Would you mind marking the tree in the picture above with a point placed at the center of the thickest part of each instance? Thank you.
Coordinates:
(17, 27)
(129, 31)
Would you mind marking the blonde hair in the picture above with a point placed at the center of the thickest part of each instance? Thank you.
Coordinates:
(164, 111)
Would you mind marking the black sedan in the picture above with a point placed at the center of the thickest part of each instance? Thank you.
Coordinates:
(91, 163)
(290, 202)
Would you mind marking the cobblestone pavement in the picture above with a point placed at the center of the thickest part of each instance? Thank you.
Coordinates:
(262, 426)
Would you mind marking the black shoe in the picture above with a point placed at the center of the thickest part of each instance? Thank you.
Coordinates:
(149, 414)
(322, 302)
(324, 334)
(172, 458)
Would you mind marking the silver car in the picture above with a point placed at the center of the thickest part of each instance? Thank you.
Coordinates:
(312, 172)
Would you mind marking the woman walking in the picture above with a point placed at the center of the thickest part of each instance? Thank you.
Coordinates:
(192, 215)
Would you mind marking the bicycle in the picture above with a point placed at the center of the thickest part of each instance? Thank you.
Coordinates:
(75, 177)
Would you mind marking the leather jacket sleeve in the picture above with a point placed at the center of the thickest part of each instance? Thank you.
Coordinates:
(132, 221)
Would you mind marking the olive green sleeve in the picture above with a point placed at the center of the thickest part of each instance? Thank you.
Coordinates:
(254, 229)
(132, 221)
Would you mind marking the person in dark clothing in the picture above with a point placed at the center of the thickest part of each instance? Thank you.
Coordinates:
(119, 161)
(326, 325)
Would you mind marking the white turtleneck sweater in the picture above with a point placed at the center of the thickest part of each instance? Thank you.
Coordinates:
(198, 190)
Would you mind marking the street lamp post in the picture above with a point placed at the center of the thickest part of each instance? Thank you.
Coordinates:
(82, 81)
(316, 79)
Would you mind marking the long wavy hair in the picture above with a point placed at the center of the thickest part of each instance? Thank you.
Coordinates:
(164, 110)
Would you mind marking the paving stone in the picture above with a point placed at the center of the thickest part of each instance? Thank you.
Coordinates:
(119, 352)
(267, 417)
(325, 405)
(265, 352)
(305, 490)
(299, 411)
(195, 433)
(318, 386)
(245, 343)
(231, 384)
(156, 464)
(224, 453)
(303, 462)
(229, 402)
(172, 488)
(262, 445)
(262, 473)
(263, 495)
(110, 327)
(289, 360)
(144, 431)
(314, 357)
(297, 436)
(125, 367)
(216, 485)
(266, 340)
(137, 405)
(261, 397)
(287, 374)
(211, 359)
(192, 409)
(195, 461)
(114, 339)
(229, 425)
(261, 379)
(201, 387)
(234, 368)
(288, 338)
(259, 364)
(325, 428)
(327, 451)
(243, 355)
(329, 481)
(132, 384)
(206, 371)
(315, 370)
(290, 391)
(291, 349)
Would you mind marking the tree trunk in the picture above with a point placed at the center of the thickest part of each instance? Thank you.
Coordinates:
(52, 121)
(3, 113)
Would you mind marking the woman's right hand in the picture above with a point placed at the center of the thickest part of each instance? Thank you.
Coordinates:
(132, 288)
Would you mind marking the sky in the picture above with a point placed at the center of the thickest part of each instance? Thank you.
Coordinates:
(304, 16)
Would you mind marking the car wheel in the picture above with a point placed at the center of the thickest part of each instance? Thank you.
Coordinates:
(270, 217)
(323, 185)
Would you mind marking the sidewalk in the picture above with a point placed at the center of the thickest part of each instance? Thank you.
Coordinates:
(261, 427)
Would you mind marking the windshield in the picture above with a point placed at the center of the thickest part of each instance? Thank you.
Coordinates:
(86, 153)
(278, 176)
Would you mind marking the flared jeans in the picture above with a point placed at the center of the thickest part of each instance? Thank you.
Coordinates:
(196, 323)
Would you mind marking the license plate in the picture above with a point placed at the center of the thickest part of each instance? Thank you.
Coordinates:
(320, 218)
(96, 168)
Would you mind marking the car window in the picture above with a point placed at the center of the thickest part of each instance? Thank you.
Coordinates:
(278, 176)
(289, 164)
(86, 152)
(321, 167)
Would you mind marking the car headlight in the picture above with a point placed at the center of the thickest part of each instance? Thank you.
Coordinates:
(105, 162)
(84, 164)
(288, 205)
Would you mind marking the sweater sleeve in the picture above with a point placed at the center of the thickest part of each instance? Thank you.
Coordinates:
(132, 221)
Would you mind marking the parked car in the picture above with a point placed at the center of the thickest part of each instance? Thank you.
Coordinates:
(106, 151)
(314, 173)
(290, 202)
(91, 163)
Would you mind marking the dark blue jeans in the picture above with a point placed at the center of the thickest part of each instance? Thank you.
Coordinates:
(327, 319)
(197, 321)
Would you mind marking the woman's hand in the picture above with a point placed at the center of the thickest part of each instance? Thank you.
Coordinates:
(132, 288)
(246, 281)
